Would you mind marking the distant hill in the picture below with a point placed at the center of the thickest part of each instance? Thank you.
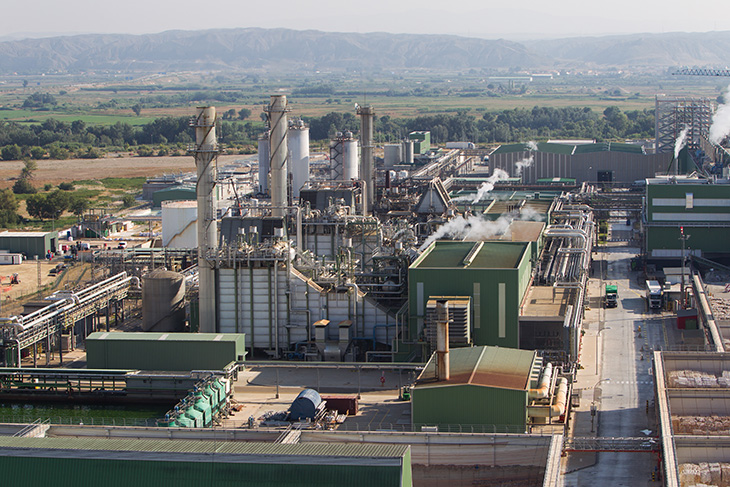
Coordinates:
(284, 49)
(260, 48)
(660, 50)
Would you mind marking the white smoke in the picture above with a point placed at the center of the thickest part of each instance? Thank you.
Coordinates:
(524, 163)
(720, 127)
(532, 145)
(681, 141)
(477, 228)
(485, 187)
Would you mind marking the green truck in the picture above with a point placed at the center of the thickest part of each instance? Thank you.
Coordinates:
(611, 296)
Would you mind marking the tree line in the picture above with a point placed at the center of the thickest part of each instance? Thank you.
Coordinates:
(60, 140)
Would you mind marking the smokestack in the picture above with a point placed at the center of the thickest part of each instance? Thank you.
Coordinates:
(442, 340)
(279, 150)
(206, 154)
(367, 164)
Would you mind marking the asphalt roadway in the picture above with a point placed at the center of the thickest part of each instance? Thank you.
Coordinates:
(616, 374)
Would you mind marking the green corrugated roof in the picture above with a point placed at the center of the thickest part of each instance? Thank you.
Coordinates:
(541, 147)
(492, 255)
(504, 368)
(609, 146)
(169, 337)
(228, 447)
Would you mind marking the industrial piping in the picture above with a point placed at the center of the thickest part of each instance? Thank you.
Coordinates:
(557, 407)
(543, 385)
(443, 371)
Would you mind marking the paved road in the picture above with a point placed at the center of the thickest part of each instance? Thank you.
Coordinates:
(624, 383)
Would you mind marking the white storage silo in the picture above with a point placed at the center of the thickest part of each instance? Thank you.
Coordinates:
(264, 163)
(344, 157)
(299, 159)
(179, 224)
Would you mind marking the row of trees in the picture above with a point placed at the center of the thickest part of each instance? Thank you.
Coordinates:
(60, 139)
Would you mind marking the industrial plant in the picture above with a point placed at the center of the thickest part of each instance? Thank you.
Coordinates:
(398, 314)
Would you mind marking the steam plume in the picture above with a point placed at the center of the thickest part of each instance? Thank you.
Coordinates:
(681, 141)
(524, 163)
(477, 228)
(532, 145)
(720, 127)
(485, 187)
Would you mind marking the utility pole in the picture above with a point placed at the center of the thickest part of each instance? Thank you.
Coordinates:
(684, 239)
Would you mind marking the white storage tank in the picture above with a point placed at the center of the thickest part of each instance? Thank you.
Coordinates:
(408, 151)
(393, 154)
(299, 155)
(179, 230)
(344, 158)
(264, 163)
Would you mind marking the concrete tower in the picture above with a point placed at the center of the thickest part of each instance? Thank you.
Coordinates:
(367, 163)
(279, 150)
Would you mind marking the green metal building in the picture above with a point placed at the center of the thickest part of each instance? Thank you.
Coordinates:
(487, 390)
(31, 244)
(493, 276)
(164, 351)
(182, 192)
(421, 141)
(700, 206)
(72, 462)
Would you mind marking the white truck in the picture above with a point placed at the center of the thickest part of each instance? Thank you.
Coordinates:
(654, 294)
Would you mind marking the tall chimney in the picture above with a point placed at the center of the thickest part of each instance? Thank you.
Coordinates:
(442, 340)
(367, 163)
(279, 151)
(206, 154)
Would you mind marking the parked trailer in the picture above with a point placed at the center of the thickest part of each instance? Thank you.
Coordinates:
(611, 296)
(654, 294)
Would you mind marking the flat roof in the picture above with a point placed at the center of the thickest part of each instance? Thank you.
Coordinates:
(547, 302)
(7, 233)
(170, 337)
(523, 231)
(503, 368)
(487, 255)
(257, 449)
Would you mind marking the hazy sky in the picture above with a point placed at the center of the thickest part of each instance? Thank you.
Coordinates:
(478, 18)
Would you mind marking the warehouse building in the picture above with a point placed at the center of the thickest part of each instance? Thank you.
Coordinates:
(162, 463)
(30, 244)
(486, 389)
(489, 281)
(700, 206)
(164, 351)
(601, 162)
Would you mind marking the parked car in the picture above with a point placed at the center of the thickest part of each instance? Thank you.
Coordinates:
(122, 245)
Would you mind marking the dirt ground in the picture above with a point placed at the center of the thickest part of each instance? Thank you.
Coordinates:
(54, 172)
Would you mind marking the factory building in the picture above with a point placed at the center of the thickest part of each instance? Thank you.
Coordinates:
(488, 388)
(421, 142)
(165, 463)
(30, 244)
(701, 207)
(609, 162)
(491, 278)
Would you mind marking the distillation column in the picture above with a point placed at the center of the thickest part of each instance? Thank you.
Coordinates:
(279, 150)
(367, 163)
(206, 155)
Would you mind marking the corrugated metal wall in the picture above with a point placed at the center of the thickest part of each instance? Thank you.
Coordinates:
(626, 167)
(263, 313)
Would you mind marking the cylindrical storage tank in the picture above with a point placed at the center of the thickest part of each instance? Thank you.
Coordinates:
(163, 308)
(350, 166)
(393, 155)
(179, 230)
(305, 405)
(264, 163)
(299, 160)
(408, 152)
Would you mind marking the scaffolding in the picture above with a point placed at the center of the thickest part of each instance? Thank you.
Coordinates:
(674, 114)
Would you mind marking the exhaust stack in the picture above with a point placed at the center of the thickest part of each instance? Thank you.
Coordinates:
(442, 340)
(206, 155)
(279, 152)
(367, 163)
